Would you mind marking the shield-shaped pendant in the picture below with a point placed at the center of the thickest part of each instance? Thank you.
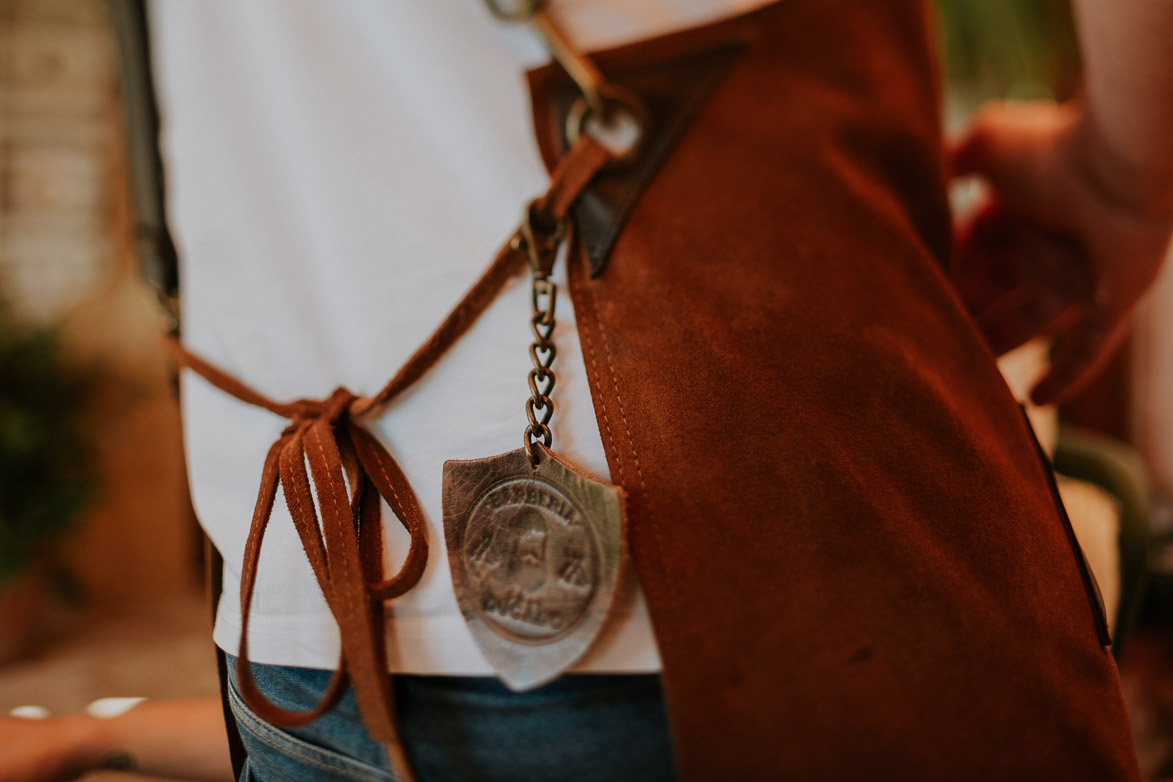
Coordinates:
(535, 555)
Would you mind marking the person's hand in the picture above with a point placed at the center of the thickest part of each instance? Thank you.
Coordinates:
(1066, 245)
(47, 750)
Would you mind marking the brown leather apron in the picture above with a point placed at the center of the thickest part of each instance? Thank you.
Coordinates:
(853, 562)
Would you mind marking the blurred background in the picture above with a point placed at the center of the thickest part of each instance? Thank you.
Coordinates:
(101, 586)
(101, 560)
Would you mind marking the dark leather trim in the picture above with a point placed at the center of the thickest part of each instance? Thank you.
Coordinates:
(1094, 596)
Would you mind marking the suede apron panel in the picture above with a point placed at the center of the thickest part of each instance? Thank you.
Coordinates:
(853, 562)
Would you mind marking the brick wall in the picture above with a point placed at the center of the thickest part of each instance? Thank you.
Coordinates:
(66, 256)
(58, 101)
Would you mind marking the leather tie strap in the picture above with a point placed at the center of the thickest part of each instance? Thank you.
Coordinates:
(349, 471)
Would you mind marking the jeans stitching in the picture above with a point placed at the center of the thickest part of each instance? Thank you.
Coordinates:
(300, 748)
(285, 746)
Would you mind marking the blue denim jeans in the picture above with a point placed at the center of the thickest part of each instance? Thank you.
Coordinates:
(579, 728)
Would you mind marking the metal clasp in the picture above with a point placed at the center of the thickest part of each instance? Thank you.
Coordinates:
(582, 70)
(540, 236)
(519, 11)
(544, 295)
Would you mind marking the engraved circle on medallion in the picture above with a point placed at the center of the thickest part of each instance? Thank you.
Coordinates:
(531, 561)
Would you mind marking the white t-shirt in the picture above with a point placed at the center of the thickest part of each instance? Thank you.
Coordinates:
(338, 174)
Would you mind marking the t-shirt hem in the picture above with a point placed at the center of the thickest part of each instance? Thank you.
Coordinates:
(439, 646)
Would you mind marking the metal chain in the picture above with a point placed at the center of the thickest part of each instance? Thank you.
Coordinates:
(539, 408)
(540, 237)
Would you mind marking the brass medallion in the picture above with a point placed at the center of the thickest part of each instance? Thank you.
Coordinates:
(535, 555)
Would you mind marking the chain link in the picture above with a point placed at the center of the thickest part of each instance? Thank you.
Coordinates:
(539, 408)
(539, 237)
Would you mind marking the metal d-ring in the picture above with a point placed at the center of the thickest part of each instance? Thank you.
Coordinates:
(616, 101)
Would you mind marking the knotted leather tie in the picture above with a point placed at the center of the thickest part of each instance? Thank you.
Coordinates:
(350, 471)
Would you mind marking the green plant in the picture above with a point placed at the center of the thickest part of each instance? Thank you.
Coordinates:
(47, 474)
(1024, 49)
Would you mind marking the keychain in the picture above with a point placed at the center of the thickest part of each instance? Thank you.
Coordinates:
(535, 547)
